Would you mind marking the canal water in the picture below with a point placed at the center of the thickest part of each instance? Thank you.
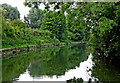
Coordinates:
(57, 64)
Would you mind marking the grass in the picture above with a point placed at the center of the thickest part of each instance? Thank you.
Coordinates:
(25, 45)
(20, 45)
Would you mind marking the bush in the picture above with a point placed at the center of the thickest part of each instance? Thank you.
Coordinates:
(56, 41)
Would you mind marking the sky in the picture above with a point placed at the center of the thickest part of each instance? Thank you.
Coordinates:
(19, 4)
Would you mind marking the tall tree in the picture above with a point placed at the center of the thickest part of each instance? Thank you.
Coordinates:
(12, 12)
(34, 18)
(56, 23)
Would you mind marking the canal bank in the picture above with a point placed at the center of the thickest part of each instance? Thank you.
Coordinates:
(15, 50)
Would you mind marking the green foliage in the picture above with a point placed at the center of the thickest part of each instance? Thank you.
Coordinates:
(34, 18)
(46, 61)
(96, 23)
(56, 41)
(105, 72)
(15, 33)
(18, 23)
(74, 80)
(73, 24)
(105, 33)
(99, 24)
(56, 24)
(12, 13)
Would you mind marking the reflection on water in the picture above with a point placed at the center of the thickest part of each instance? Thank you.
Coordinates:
(56, 64)
(106, 72)
(79, 72)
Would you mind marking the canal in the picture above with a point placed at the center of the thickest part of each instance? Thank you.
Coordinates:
(59, 63)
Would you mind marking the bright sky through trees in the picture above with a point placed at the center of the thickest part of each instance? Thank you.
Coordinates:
(19, 4)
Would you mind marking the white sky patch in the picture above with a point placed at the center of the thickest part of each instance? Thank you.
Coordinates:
(78, 72)
(21, 8)
(42, 6)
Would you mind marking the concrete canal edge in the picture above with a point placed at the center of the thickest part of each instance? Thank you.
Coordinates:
(9, 51)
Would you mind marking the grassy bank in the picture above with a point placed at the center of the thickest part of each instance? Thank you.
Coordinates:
(24, 48)
(25, 45)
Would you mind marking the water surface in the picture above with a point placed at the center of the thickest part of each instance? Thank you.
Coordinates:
(56, 64)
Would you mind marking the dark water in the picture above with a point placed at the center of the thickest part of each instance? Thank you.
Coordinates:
(57, 64)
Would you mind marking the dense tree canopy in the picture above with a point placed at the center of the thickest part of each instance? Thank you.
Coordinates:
(98, 21)
(15, 33)
(97, 24)
(11, 12)
(56, 23)
(102, 27)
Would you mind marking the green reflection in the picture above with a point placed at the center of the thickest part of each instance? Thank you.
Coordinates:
(57, 61)
(106, 73)
(46, 61)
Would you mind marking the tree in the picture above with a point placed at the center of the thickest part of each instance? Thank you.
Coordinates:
(101, 27)
(34, 18)
(73, 24)
(12, 12)
(56, 23)
(99, 22)
(18, 23)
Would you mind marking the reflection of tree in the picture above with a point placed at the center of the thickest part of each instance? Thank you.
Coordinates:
(13, 66)
(58, 61)
(106, 73)
(46, 61)
(74, 80)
